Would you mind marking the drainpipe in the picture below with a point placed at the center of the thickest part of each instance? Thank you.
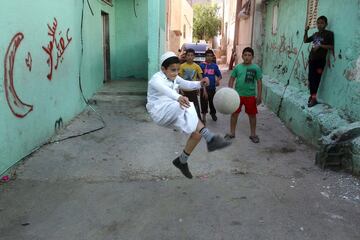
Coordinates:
(252, 23)
(236, 33)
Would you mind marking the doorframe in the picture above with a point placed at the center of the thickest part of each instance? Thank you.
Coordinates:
(106, 45)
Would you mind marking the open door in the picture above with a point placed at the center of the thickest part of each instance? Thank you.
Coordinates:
(106, 46)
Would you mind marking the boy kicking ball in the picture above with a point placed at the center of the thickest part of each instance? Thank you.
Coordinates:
(168, 108)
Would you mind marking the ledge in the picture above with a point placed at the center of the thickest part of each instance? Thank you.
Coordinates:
(317, 125)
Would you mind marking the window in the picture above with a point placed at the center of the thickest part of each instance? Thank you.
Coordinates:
(184, 31)
(275, 19)
(312, 13)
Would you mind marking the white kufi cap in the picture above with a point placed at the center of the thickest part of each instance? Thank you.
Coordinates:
(166, 56)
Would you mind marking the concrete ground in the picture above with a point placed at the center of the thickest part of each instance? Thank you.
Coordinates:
(119, 183)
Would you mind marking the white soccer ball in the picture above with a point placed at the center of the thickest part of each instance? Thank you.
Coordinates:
(226, 100)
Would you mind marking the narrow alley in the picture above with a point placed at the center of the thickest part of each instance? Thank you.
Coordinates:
(119, 183)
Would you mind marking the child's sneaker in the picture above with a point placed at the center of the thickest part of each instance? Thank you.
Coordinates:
(216, 143)
(312, 103)
(183, 168)
(255, 139)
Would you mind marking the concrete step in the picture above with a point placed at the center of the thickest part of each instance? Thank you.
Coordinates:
(124, 92)
(129, 100)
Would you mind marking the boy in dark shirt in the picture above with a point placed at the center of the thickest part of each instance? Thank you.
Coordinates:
(323, 40)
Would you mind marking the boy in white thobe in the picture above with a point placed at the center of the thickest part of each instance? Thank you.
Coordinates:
(168, 108)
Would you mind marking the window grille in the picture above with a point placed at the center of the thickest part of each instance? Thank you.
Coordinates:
(312, 13)
(275, 19)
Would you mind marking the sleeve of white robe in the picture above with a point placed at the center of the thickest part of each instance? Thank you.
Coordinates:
(171, 93)
(188, 84)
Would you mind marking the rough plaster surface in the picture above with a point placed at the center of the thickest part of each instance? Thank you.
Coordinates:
(309, 123)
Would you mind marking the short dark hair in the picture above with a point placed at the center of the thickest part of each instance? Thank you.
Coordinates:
(248, 49)
(190, 50)
(209, 51)
(169, 61)
(323, 18)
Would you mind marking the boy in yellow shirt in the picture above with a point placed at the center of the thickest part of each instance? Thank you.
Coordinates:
(192, 72)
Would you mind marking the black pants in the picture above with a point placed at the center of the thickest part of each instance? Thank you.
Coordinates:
(193, 97)
(316, 68)
(207, 102)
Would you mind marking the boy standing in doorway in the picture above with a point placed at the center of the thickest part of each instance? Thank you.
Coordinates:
(322, 41)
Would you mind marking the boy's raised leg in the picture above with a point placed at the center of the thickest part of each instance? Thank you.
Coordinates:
(181, 161)
(214, 142)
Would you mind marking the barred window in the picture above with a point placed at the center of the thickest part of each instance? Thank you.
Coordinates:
(275, 19)
(312, 13)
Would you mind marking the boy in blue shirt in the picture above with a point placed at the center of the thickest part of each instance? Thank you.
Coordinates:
(212, 72)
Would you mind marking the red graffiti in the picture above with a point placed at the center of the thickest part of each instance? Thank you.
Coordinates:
(284, 47)
(60, 46)
(17, 107)
(28, 61)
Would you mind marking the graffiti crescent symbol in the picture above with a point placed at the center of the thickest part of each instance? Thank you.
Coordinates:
(17, 107)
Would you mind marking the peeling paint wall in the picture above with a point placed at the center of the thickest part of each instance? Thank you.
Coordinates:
(340, 85)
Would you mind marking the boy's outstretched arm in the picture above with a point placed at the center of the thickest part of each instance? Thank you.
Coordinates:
(194, 85)
(306, 38)
(259, 92)
(231, 82)
(200, 76)
(157, 84)
(218, 76)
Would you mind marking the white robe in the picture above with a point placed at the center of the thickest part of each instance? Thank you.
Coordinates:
(162, 104)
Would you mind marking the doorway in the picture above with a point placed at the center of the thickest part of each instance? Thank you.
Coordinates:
(106, 46)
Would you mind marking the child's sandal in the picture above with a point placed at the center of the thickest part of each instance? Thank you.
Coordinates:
(255, 139)
(229, 136)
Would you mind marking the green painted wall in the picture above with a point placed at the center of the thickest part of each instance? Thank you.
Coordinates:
(132, 40)
(55, 98)
(92, 65)
(340, 86)
(156, 34)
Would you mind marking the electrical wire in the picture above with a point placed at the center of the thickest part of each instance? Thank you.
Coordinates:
(288, 81)
(134, 8)
(89, 7)
(80, 85)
